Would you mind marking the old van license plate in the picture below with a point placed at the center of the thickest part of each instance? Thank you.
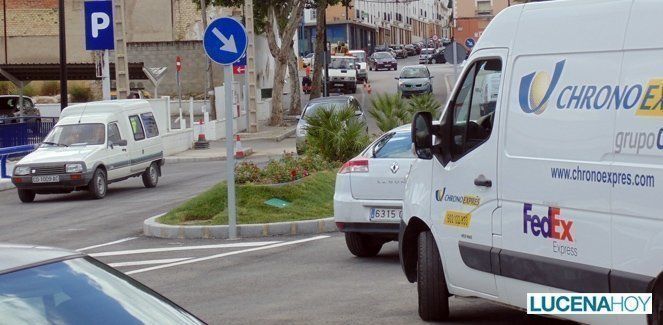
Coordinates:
(380, 214)
(46, 179)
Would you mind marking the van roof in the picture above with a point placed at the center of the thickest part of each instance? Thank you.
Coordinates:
(525, 29)
(107, 107)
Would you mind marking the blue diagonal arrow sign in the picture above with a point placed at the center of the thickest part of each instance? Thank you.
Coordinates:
(225, 41)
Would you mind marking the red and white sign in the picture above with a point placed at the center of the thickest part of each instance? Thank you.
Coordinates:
(435, 37)
(239, 69)
(178, 64)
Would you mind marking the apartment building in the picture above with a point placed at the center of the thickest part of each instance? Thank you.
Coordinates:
(471, 17)
(368, 23)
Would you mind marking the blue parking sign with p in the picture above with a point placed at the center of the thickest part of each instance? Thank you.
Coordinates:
(99, 25)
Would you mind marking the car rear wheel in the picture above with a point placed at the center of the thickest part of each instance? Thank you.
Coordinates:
(362, 245)
(431, 284)
(26, 196)
(99, 184)
(151, 176)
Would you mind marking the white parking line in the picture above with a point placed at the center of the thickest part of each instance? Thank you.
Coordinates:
(182, 248)
(195, 260)
(149, 262)
(106, 244)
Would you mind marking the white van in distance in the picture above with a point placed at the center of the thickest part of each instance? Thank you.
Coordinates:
(545, 179)
(91, 146)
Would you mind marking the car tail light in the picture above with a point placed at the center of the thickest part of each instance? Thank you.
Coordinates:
(355, 166)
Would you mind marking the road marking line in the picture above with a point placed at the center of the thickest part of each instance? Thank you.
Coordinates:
(148, 262)
(200, 259)
(182, 248)
(107, 244)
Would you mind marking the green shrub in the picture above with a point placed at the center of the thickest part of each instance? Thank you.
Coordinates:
(7, 88)
(28, 91)
(335, 134)
(247, 172)
(425, 103)
(50, 88)
(286, 169)
(80, 94)
(389, 111)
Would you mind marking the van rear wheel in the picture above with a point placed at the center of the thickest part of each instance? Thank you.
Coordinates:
(362, 245)
(151, 176)
(26, 196)
(431, 284)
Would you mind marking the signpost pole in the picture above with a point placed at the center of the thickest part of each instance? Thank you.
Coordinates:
(230, 151)
(105, 77)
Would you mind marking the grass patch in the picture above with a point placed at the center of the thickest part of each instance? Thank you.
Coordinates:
(311, 198)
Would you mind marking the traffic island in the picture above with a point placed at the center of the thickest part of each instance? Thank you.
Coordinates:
(294, 208)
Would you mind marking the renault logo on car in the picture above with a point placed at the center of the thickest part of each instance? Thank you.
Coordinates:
(394, 167)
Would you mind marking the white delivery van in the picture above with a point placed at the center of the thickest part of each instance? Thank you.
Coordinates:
(554, 184)
(91, 146)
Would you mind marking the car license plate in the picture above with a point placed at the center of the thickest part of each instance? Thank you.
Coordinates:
(46, 179)
(385, 214)
(338, 85)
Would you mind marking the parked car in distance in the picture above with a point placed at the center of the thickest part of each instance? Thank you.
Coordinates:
(43, 285)
(11, 106)
(308, 59)
(93, 145)
(369, 190)
(337, 102)
(417, 48)
(415, 79)
(399, 51)
(343, 71)
(360, 56)
(382, 60)
(437, 56)
(381, 48)
(425, 55)
(410, 50)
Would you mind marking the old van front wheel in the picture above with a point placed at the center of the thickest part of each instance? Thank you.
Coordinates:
(26, 196)
(431, 284)
(151, 176)
(99, 184)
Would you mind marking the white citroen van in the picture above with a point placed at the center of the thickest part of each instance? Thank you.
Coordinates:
(551, 185)
(92, 145)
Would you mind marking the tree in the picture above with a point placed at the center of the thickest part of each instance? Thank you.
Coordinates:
(277, 19)
(295, 89)
(293, 10)
(320, 27)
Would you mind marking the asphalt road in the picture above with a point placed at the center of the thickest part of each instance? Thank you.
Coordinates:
(288, 280)
(75, 220)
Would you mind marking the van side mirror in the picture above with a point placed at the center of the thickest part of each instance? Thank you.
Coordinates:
(422, 135)
(121, 143)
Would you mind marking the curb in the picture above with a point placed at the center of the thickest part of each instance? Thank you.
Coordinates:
(6, 186)
(151, 228)
(247, 136)
(248, 152)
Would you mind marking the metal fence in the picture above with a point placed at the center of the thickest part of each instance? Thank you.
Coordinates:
(20, 131)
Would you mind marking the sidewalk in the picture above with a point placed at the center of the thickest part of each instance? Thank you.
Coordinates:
(6, 184)
(270, 142)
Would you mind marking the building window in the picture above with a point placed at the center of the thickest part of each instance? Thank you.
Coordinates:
(484, 7)
(313, 13)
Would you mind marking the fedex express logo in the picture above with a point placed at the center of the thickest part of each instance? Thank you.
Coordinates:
(537, 88)
(550, 226)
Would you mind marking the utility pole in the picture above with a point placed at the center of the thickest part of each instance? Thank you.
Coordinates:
(209, 80)
(251, 67)
(121, 60)
(4, 20)
(64, 102)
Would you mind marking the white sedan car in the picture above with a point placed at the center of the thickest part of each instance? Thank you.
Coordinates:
(369, 192)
